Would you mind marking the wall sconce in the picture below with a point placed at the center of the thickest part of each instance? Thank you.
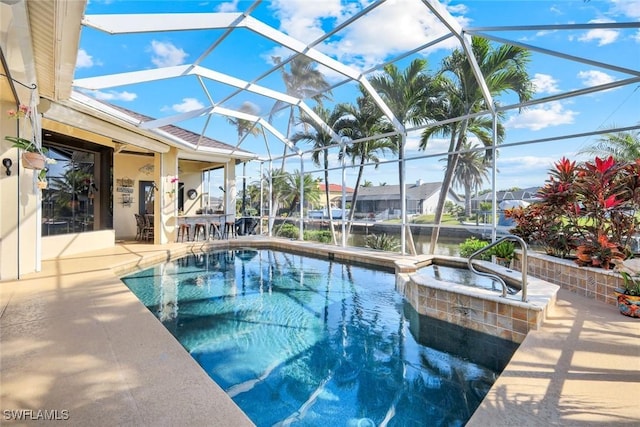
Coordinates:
(6, 162)
(222, 189)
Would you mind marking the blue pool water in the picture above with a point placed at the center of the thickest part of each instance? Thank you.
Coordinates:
(462, 276)
(296, 340)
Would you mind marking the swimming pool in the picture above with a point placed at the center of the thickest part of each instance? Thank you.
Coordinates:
(296, 340)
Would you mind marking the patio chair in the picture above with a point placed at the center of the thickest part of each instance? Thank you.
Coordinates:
(139, 226)
(148, 230)
(245, 226)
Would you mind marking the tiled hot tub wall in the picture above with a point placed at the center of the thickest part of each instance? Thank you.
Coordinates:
(480, 309)
(593, 283)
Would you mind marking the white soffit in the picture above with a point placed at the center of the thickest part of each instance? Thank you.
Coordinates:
(73, 114)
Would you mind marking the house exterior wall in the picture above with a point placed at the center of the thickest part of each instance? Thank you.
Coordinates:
(414, 207)
(75, 243)
(128, 166)
(191, 178)
(19, 217)
(166, 172)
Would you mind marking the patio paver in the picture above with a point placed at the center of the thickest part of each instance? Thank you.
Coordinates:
(74, 338)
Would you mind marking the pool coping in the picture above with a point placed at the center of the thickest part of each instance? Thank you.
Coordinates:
(66, 342)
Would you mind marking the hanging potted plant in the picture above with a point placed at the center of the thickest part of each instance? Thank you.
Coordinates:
(42, 179)
(33, 157)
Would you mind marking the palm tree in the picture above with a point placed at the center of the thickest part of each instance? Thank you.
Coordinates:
(279, 191)
(471, 171)
(310, 189)
(623, 146)
(245, 127)
(407, 94)
(365, 120)
(302, 81)
(504, 69)
(321, 140)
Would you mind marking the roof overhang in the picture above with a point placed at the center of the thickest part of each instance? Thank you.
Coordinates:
(85, 113)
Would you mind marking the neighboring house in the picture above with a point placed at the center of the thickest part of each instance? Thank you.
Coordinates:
(335, 195)
(526, 194)
(422, 198)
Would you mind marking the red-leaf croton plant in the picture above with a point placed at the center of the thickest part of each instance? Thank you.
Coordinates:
(588, 211)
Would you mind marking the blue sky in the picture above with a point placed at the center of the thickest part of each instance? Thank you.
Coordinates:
(391, 29)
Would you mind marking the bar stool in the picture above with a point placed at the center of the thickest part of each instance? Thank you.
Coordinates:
(214, 229)
(182, 229)
(229, 229)
(200, 228)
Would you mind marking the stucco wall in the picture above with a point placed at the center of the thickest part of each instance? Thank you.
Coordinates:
(75, 243)
(18, 210)
(128, 166)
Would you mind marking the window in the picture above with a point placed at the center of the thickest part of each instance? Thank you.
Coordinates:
(79, 193)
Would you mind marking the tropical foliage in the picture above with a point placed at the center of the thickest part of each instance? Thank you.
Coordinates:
(587, 210)
(410, 94)
(364, 121)
(302, 80)
(471, 245)
(623, 146)
(504, 70)
(320, 137)
(471, 171)
(382, 242)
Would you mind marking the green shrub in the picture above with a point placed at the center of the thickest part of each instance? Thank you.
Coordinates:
(504, 250)
(322, 236)
(471, 245)
(382, 242)
(286, 230)
(291, 231)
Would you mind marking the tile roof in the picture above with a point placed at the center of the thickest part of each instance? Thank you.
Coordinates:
(335, 188)
(415, 191)
(184, 134)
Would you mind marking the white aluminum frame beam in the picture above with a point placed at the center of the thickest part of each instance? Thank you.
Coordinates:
(134, 23)
(456, 29)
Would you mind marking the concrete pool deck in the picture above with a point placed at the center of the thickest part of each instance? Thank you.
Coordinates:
(75, 340)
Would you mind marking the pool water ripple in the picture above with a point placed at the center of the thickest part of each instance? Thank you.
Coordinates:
(314, 341)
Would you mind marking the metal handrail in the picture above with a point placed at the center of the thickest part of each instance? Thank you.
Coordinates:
(523, 262)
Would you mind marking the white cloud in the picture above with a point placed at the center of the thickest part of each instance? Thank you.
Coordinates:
(84, 60)
(628, 8)
(166, 54)
(187, 104)
(525, 171)
(545, 83)
(113, 95)
(594, 78)
(540, 117)
(302, 19)
(393, 27)
(636, 36)
(228, 7)
(602, 36)
(555, 10)
(521, 164)
(249, 108)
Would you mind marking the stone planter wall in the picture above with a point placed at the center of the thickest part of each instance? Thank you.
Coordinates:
(593, 283)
